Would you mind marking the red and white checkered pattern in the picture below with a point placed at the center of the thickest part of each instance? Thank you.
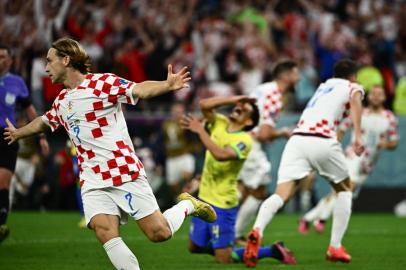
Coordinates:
(93, 119)
(328, 108)
(375, 126)
(269, 101)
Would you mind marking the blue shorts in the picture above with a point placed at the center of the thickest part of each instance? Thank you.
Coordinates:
(219, 234)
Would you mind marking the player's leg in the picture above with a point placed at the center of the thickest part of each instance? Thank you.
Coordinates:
(247, 211)
(306, 188)
(255, 176)
(341, 218)
(330, 163)
(294, 166)
(103, 216)
(106, 228)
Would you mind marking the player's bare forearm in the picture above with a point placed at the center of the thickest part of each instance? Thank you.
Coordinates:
(218, 153)
(356, 112)
(149, 89)
(34, 127)
(268, 133)
(174, 81)
(208, 105)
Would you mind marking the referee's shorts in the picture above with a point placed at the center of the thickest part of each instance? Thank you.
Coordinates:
(8, 153)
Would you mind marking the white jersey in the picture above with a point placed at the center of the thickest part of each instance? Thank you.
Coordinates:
(374, 127)
(94, 121)
(269, 101)
(327, 108)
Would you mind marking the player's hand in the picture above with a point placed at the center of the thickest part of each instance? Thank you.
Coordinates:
(358, 146)
(44, 146)
(178, 80)
(10, 133)
(245, 99)
(192, 123)
(285, 132)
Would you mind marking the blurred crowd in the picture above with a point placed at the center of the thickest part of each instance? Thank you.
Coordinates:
(229, 46)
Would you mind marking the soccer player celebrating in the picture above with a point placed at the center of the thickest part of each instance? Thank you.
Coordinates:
(112, 178)
(228, 144)
(313, 146)
(379, 130)
(13, 91)
(255, 174)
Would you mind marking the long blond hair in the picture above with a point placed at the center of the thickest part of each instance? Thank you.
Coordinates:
(79, 59)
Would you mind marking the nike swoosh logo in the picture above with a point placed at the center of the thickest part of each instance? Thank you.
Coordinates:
(70, 116)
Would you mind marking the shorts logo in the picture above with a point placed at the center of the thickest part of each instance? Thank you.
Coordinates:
(123, 82)
(241, 146)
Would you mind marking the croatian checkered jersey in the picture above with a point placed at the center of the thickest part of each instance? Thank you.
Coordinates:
(375, 126)
(92, 116)
(327, 108)
(269, 101)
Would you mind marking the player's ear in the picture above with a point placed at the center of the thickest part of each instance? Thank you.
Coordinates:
(66, 60)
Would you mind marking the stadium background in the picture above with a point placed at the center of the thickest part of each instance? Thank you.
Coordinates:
(230, 47)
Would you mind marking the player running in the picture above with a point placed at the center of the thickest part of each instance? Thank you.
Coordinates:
(112, 178)
(255, 174)
(228, 143)
(379, 129)
(314, 146)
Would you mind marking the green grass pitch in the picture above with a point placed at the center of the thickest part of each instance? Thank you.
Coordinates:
(53, 241)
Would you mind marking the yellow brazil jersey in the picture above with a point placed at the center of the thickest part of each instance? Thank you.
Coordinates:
(218, 184)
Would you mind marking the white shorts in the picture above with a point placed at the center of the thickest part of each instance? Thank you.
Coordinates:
(256, 170)
(354, 164)
(132, 198)
(303, 154)
(177, 166)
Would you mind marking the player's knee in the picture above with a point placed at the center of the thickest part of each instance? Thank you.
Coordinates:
(192, 248)
(160, 234)
(223, 258)
(104, 233)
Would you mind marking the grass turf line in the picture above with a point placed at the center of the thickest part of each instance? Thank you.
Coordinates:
(53, 241)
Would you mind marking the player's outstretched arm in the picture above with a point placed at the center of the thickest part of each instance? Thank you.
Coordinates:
(208, 105)
(193, 124)
(356, 112)
(174, 81)
(12, 134)
(268, 133)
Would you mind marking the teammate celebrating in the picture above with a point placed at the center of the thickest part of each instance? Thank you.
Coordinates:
(314, 146)
(112, 178)
(379, 129)
(255, 174)
(13, 91)
(228, 145)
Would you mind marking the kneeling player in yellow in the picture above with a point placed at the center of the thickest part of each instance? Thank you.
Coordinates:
(228, 143)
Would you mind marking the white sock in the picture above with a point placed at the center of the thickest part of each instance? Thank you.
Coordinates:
(120, 255)
(246, 214)
(305, 198)
(177, 214)
(266, 212)
(341, 217)
(328, 208)
(315, 212)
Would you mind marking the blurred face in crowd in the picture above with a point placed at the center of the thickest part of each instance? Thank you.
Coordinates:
(56, 66)
(178, 110)
(241, 113)
(5, 61)
(376, 96)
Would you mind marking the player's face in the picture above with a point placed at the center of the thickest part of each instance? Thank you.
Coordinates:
(241, 113)
(294, 76)
(55, 67)
(5, 61)
(376, 96)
